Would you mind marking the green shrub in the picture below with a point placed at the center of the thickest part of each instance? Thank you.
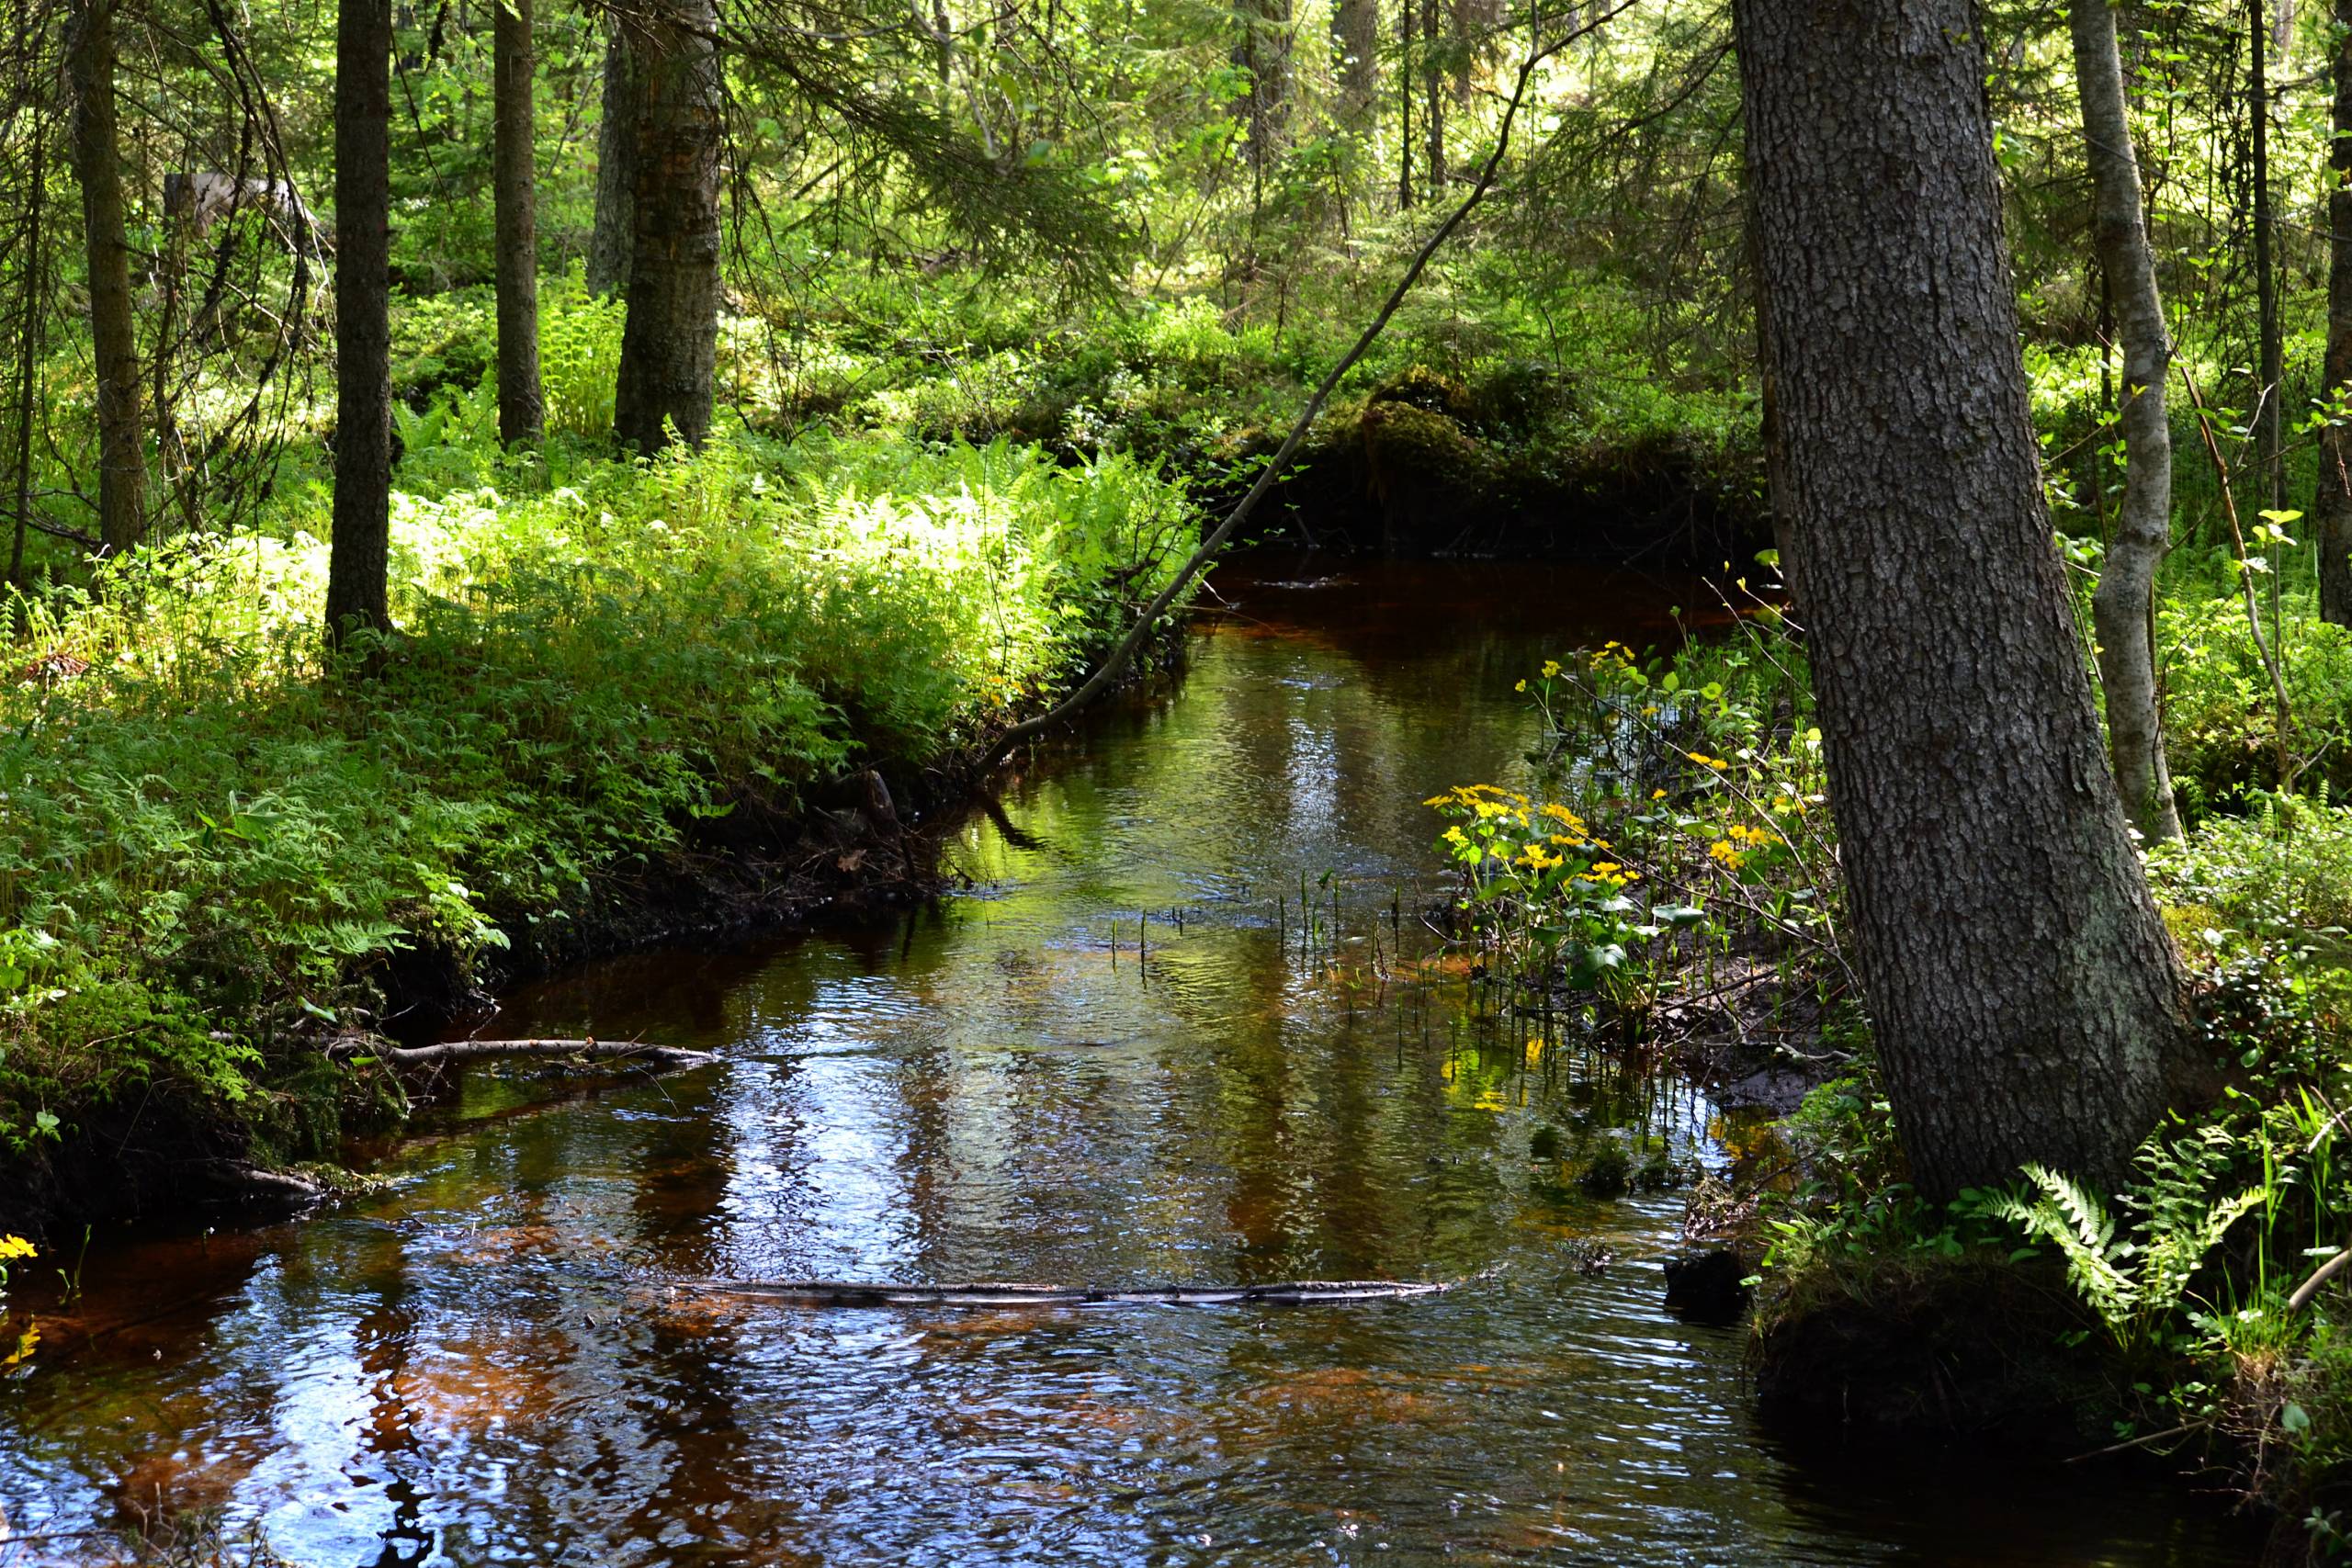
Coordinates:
(216, 843)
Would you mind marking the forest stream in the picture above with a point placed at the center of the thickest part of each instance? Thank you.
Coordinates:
(511, 1352)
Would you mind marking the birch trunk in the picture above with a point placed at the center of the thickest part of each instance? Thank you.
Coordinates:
(2123, 607)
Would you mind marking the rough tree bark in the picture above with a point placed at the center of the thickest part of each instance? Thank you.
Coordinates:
(1264, 51)
(2123, 607)
(97, 167)
(2027, 1002)
(1433, 95)
(616, 226)
(669, 346)
(1355, 39)
(521, 415)
(2331, 501)
(363, 434)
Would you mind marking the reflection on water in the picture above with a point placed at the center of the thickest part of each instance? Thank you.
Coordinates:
(505, 1356)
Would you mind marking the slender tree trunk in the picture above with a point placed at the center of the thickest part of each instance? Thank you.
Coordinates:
(97, 166)
(521, 410)
(29, 346)
(357, 560)
(2269, 428)
(2123, 607)
(2282, 36)
(2332, 500)
(670, 347)
(1404, 104)
(1355, 39)
(615, 233)
(1433, 99)
(2026, 1001)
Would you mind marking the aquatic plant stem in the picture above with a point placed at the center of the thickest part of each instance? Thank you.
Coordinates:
(1124, 650)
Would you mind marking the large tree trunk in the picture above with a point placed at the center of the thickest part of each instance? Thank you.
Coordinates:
(2332, 502)
(2123, 607)
(670, 347)
(363, 427)
(616, 227)
(521, 411)
(97, 166)
(1355, 39)
(2027, 1002)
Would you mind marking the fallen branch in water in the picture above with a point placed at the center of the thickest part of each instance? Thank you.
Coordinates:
(1094, 684)
(838, 1293)
(659, 1058)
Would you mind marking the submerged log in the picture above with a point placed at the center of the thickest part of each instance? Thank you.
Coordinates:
(839, 1293)
(659, 1058)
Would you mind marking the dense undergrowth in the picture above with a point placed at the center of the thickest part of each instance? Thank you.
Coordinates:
(217, 844)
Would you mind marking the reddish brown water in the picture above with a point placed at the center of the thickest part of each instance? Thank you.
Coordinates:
(497, 1358)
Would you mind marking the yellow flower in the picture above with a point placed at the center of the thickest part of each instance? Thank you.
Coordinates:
(1726, 851)
(1658, 795)
(1454, 835)
(1551, 668)
(1571, 842)
(1521, 687)
(15, 1246)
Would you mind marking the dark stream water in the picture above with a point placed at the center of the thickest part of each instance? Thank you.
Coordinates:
(496, 1360)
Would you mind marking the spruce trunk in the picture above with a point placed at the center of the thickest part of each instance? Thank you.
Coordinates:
(615, 228)
(669, 346)
(2332, 499)
(97, 167)
(363, 433)
(1355, 39)
(2026, 1000)
(521, 409)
